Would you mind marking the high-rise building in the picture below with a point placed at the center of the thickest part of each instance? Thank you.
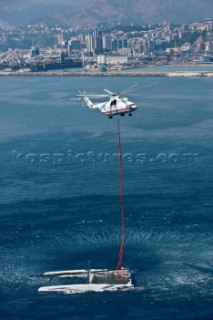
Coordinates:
(101, 60)
(160, 45)
(118, 44)
(34, 51)
(121, 43)
(60, 39)
(73, 45)
(114, 45)
(210, 26)
(107, 39)
(98, 41)
(89, 43)
(209, 46)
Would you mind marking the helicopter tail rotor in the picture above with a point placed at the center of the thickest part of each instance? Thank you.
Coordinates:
(81, 96)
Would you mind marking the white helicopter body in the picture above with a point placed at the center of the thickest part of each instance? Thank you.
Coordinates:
(116, 105)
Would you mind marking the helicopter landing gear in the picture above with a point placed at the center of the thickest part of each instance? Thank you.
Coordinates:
(122, 114)
(130, 114)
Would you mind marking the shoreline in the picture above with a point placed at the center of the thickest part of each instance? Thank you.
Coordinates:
(111, 74)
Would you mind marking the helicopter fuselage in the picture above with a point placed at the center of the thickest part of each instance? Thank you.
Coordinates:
(114, 106)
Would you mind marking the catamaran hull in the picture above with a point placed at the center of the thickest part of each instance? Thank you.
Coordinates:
(81, 288)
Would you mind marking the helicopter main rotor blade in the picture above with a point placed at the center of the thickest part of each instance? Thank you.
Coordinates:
(133, 88)
(128, 89)
(94, 95)
(150, 85)
(109, 92)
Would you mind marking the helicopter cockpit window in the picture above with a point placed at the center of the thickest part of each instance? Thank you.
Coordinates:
(113, 102)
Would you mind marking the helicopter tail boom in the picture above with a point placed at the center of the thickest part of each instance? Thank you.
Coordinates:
(87, 102)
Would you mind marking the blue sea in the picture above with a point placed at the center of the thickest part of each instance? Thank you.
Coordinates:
(59, 197)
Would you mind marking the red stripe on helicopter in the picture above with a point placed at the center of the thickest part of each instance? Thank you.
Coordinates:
(120, 110)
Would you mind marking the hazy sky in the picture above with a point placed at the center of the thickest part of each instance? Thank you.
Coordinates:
(58, 2)
(21, 4)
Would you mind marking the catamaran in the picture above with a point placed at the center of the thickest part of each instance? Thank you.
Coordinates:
(96, 280)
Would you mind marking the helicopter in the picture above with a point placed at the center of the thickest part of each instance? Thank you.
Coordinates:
(117, 105)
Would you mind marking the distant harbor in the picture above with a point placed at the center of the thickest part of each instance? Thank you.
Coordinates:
(168, 70)
(110, 74)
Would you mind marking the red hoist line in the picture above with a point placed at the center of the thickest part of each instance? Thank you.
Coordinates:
(121, 253)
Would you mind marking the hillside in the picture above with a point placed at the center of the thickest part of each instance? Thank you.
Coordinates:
(138, 11)
(95, 11)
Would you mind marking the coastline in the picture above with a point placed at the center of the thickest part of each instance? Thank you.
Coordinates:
(112, 74)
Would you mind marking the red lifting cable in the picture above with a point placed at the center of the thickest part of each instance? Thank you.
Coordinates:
(119, 263)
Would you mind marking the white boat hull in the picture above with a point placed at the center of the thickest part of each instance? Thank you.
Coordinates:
(81, 288)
